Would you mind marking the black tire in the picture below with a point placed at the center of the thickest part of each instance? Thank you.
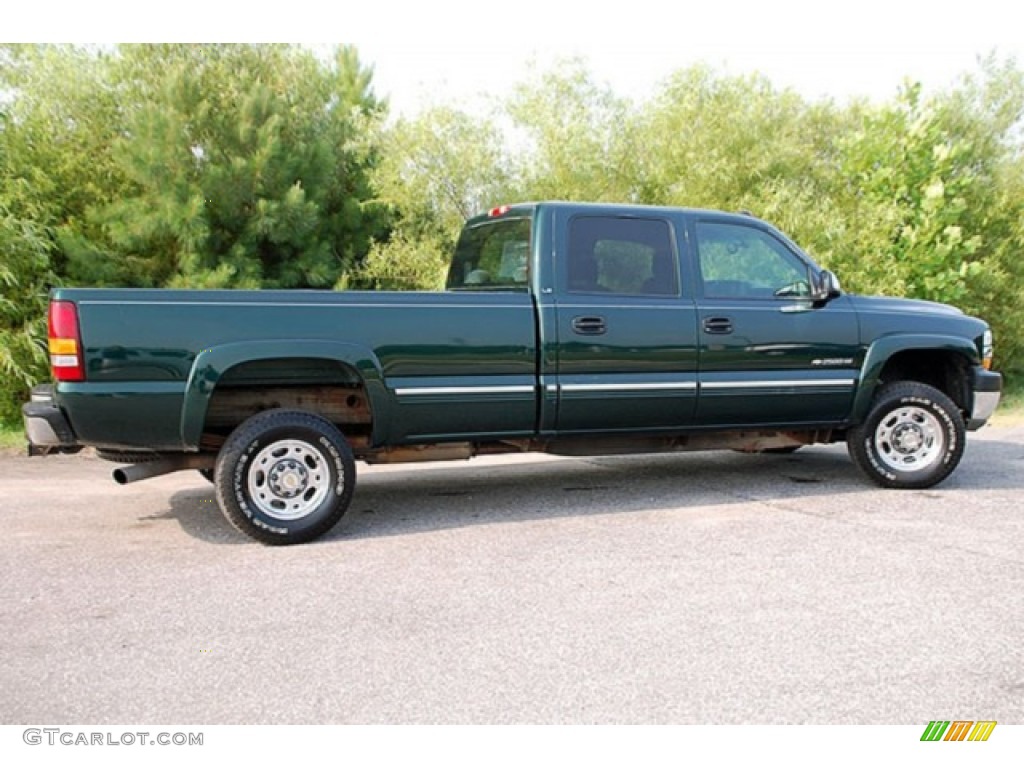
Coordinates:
(913, 437)
(285, 477)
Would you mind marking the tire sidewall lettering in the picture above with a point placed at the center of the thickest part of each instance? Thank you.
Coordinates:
(243, 465)
(339, 468)
(869, 448)
(334, 485)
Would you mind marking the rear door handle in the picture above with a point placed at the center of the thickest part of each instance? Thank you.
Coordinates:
(717, 325)
(589, 326)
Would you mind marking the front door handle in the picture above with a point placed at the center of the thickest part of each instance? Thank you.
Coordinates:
(717, 325)
(589, 326)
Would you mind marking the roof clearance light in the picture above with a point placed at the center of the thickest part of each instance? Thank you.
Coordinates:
(501, 210)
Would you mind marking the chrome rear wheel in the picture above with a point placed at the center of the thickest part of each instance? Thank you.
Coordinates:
(285, 476)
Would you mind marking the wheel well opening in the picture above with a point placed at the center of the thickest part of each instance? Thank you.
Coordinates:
(329, 388)
(946, 371)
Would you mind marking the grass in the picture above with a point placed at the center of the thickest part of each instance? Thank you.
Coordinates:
(12, 439)
(1010, 412)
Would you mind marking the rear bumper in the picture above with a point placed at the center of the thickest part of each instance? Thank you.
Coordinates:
(46, 427)
(986, 389)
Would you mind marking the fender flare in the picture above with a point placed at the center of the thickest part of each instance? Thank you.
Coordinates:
(882, 350)
(211, 364)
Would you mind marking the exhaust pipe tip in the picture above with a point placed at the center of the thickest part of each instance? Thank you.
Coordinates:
(135, 472)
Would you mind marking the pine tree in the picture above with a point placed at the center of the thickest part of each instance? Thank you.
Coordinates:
(247, 167)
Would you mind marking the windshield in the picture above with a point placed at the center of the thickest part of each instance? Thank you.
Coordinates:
(494, 255)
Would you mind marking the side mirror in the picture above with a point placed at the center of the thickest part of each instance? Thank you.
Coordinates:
(824, 286)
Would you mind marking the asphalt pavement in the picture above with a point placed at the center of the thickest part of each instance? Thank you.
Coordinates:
(687, 588)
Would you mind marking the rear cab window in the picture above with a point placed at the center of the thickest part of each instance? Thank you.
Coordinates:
(492, 254)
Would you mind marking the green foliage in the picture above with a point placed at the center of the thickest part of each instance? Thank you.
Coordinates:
(25, 277)
(266, 166)
(244, 168)
(405, 264)
(730, 142)
(440, 169)
(930, 198)
(195, 165)
(60, 113)
(574, 139)
(436, 171)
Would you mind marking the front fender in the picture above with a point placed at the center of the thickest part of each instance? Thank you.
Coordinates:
(211, 364)
(883, 349)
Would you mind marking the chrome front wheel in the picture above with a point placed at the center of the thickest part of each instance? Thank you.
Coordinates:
(913, 436)
(910, 438)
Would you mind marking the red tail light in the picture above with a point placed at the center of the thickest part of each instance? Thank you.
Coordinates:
(67, 358)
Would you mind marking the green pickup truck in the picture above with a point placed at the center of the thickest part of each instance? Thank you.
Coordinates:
(574, 329)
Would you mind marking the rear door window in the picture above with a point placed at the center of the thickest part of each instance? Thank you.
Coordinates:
(621, 256)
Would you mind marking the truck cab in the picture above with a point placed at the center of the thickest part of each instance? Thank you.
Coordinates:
(660, 319)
